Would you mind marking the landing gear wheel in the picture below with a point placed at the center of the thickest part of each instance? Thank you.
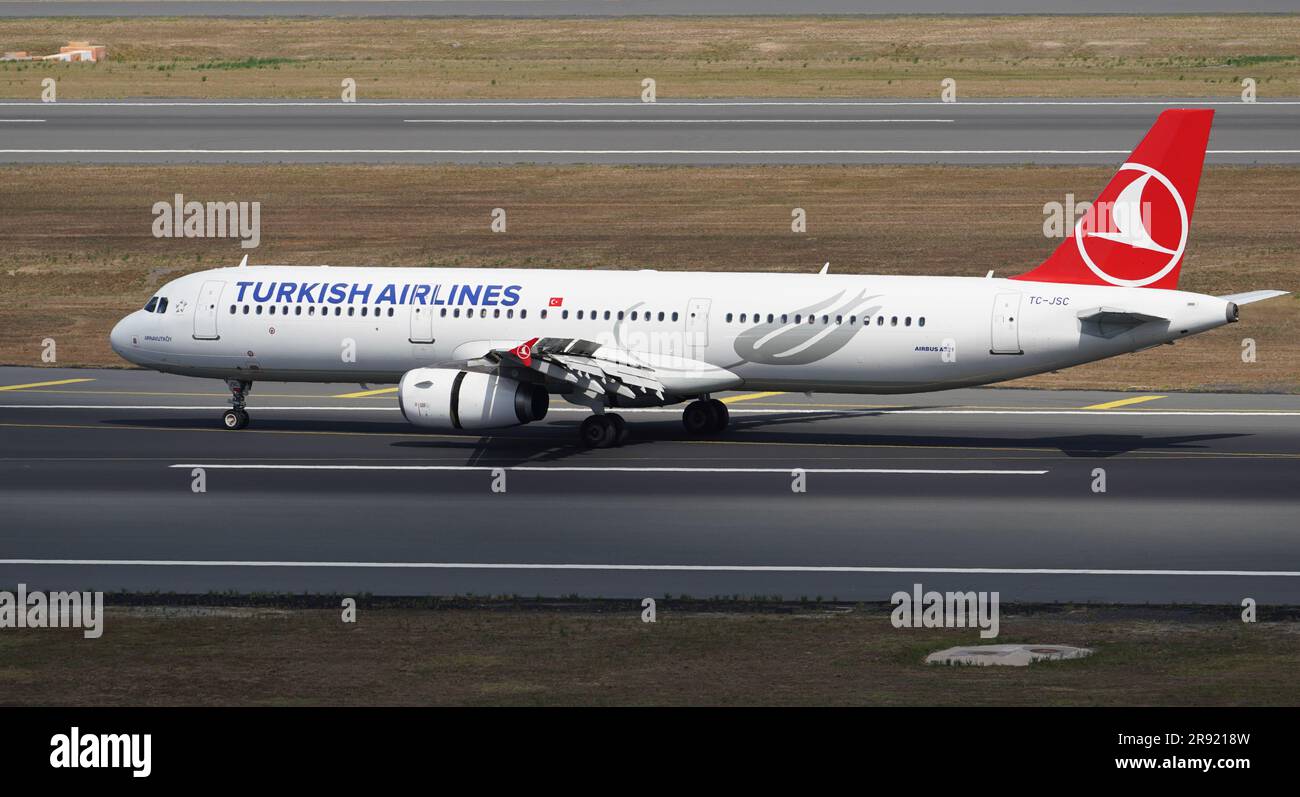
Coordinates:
(621, 431)
(699, 418)
(236, 417)
(721, 417)
(597, 431)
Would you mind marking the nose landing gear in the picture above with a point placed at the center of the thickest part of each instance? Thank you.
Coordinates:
(236, 417)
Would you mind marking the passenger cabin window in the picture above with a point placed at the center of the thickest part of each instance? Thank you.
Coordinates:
(920, 322)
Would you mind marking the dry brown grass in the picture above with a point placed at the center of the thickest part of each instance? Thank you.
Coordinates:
(69, 271)
(476, 657)
(1182, 56)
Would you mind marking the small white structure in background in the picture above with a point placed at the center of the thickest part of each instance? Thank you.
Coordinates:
(72, 51)
(1005, 655)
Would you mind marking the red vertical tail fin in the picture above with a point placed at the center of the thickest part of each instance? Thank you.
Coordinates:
(1136, 233)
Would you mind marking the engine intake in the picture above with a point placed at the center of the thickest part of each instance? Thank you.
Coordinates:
(447, 398)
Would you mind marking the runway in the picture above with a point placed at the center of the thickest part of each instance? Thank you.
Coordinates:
(612, 8)
(625, 131)
(331, 491)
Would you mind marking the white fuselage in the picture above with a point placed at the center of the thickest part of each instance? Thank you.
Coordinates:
(834, 332)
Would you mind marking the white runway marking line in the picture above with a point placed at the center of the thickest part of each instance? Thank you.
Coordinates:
(616, 152)
(675, 121)
(674, 411)
(617, 469)
(996, 571)
(1173, 103)
(19, 121)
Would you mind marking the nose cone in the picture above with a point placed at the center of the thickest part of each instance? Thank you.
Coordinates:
(120, 339)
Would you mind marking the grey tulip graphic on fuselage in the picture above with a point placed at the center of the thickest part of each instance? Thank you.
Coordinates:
(814, 336)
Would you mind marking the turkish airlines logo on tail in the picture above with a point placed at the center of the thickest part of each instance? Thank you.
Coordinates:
(1137, 236)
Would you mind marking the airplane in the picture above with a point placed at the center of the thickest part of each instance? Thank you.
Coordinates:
(480, 349)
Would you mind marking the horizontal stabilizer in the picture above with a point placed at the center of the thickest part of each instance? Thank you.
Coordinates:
(1252, 296)
(1108, 322)
(1114, 315)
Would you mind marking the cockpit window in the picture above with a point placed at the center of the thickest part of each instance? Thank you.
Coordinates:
(162, 305)
(148, 308)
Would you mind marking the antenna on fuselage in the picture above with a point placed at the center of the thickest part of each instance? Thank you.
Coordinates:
(825, 268)
(244, 263)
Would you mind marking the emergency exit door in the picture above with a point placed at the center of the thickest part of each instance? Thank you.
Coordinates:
(421, 324)
(697, 326)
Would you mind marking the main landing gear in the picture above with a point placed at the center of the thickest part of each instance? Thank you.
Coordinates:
(702, 418)
(236, 417)
(603, 431)
(705, 417)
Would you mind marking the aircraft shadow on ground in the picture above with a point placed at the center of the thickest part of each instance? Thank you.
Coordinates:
(515, 448)
(555, 442)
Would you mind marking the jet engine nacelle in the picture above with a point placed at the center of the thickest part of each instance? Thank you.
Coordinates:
(446, 398)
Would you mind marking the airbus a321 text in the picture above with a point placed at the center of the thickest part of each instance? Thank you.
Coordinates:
(478, 349)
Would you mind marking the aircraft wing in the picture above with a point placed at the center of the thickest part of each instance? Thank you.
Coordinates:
(1252, 296)
(588, 367)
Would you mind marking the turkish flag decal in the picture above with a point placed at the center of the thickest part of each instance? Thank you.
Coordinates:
(557, 301)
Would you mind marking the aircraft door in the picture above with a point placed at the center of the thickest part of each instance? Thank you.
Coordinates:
(421, 324)
(206, 312)
(697, 326)
(1006, 324)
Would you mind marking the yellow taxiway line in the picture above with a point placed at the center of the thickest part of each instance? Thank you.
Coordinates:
(43, 384)
(1110, 405)
(365, 393)
(748, 396)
